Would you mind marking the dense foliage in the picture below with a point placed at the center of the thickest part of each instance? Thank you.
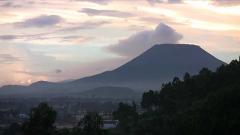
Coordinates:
(91, 124)
(128, 116)
(41, 121)
(203, 104)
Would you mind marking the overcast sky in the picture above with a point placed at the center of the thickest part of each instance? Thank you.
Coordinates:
(55, 40)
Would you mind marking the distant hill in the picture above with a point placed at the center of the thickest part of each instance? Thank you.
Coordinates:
(111, 92)
(157, 65)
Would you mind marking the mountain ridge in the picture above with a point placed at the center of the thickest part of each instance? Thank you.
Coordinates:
(157, 65)
(148, 58)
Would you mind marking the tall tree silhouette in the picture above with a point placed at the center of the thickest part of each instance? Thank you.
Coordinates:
(41, 121)
(91, 124)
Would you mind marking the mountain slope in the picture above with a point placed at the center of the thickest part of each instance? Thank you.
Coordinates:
(111, 92)
(155, 66)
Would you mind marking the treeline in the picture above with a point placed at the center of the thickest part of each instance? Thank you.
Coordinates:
(203, 104)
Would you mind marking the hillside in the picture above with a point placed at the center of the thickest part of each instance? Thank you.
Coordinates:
(155, 66)
(111, 92)
(204, 104)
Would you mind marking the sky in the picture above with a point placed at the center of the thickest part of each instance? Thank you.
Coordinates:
(56, 40)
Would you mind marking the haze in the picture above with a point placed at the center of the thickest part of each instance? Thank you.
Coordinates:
(67, 39)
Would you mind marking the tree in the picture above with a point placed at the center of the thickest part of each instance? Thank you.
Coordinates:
(41, 121)
(186, 76)
(203, 104)
(175, 81)
(205, 72)
(91, 124)
(149, 100)
(127, 116)
(64, 131)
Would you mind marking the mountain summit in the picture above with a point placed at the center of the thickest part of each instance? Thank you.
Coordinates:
(157, 65)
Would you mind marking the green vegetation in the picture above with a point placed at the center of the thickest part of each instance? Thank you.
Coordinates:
(91, 124)
(203, 104)
(41, 121)
(128, 116)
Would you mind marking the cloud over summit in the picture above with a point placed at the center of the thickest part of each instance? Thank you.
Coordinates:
(141, 41)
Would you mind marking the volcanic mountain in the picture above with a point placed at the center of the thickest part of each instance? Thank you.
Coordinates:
(157, 65)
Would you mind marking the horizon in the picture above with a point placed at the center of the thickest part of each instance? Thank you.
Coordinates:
(71, 80)
(71, 39)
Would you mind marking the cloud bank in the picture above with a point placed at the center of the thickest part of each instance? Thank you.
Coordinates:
(140, 42)
(164, 1)
(40, 21)
(84, 25)
(8, 37)
(8, 59)
(226, 2)
(98, 1)
(111, 13)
